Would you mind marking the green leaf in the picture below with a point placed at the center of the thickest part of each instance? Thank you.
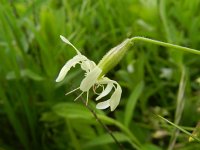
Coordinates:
(25, 73)
(106, 139)
(131, 103)
(150, 146)
(72, 111)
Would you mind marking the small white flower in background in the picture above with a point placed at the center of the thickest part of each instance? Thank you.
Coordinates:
(130, 67)
(94, 76)
(198, 80)
(166, 73)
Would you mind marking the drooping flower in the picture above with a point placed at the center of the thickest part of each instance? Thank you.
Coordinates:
(94, 76)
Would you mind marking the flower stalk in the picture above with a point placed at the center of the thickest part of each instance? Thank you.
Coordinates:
(168, 45)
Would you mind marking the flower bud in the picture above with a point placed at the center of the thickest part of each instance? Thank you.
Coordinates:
(114, 56)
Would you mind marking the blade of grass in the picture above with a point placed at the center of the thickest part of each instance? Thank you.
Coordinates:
(178, 127)
(131, 103)
(74, 139)
(18, 128)
(179, 106)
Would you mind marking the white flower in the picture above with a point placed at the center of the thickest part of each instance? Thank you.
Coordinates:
(166, 73)
(198, 80)
(93, 78)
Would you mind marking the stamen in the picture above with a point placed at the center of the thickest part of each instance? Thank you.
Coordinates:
(96, 86)
(79, 96)
(94, 89)
(72, 91)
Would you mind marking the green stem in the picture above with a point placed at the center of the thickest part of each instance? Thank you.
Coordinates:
(181, 48)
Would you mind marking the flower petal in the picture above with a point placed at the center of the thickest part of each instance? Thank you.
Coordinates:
(90, 79)
(106, 91)
(88, 65)
(68, 42)
(103, 105)
(115, 98)
(71, 63)
(105, 80)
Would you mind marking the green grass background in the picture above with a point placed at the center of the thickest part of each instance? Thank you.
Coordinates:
(35, 113)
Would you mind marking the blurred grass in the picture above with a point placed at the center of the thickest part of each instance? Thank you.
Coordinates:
(35, 114)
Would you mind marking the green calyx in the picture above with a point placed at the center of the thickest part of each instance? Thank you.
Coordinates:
(114, 56)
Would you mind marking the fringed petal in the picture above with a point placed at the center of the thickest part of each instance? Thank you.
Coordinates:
(69, 43)
(88, 65)
(71, 63)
